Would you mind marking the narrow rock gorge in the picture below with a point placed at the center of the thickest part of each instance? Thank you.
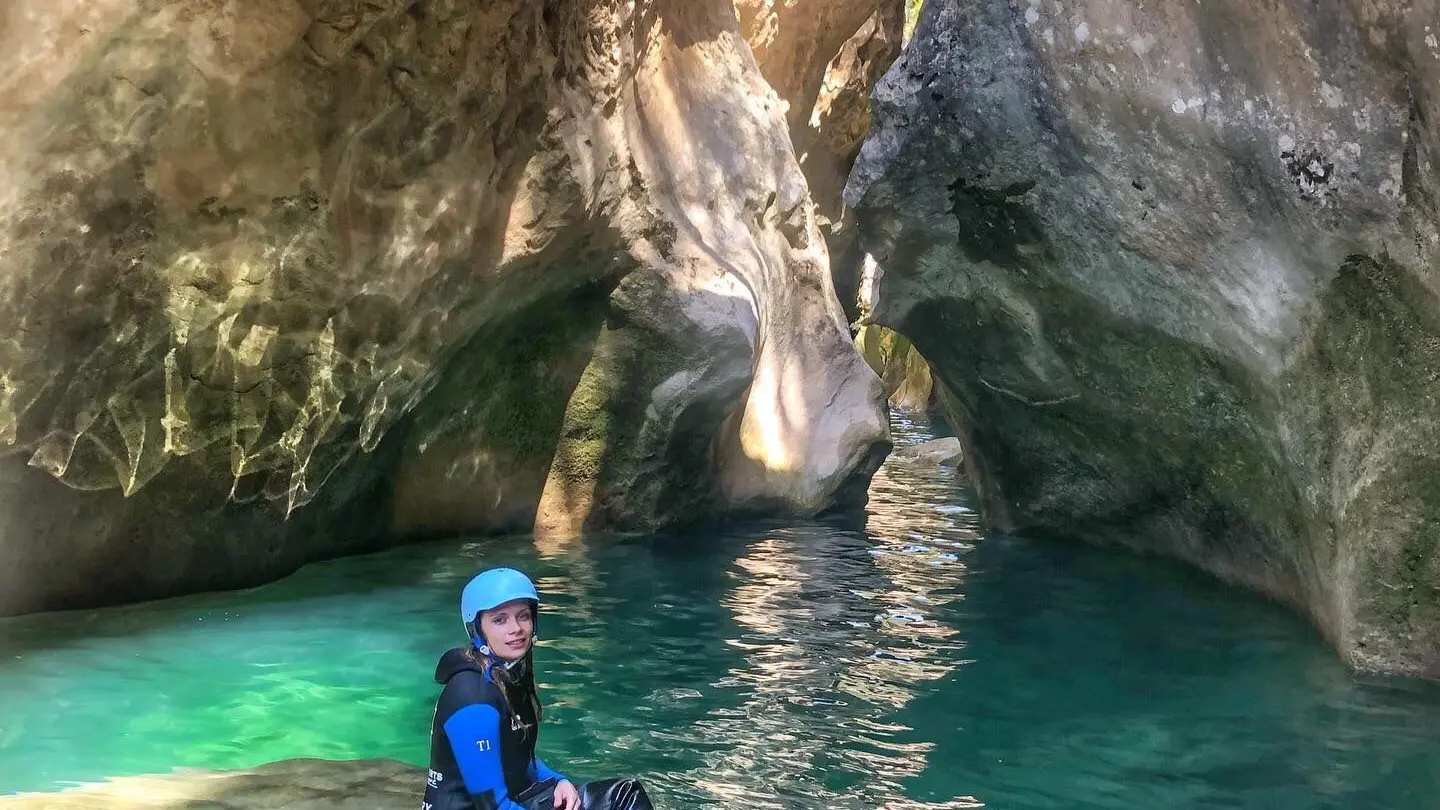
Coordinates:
(292, 279)
(1175, 267)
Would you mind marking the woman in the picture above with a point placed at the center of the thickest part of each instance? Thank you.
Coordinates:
(482, 739)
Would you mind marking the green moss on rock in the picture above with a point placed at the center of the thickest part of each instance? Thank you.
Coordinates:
(508, 385)
(902, 369)
(1367, 386)
(1319, 487)
(1142, 434)
(620, 458)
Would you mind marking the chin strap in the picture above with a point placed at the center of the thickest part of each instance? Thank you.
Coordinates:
(511, 671)
(515, 670)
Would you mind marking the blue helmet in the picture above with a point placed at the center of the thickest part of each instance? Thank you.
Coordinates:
(492, 588)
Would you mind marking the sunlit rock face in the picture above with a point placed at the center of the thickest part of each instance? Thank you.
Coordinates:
(288, 279)
(1176, 268)
(823, 57)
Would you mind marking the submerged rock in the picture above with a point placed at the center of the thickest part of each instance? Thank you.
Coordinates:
(297, 784)
(1175, 269)
(286, 280)
(936, 451)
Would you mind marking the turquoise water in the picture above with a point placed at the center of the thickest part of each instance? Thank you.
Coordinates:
(798, 665)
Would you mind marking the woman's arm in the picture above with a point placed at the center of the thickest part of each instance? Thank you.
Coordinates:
(543, 772)
(474, 734)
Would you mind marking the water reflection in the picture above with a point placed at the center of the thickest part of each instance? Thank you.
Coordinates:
(799, 665)
(837, 634)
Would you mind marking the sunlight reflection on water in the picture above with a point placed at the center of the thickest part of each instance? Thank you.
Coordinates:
(908, 664)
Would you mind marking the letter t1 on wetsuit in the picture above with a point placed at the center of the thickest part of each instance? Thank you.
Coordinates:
(481, 755)
(482, 746)
(480, 760)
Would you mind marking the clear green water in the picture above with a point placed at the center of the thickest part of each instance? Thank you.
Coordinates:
(783, 665)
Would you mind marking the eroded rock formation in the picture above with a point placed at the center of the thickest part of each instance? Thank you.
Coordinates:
(283, 279)
(823, 57)
(1176, 270)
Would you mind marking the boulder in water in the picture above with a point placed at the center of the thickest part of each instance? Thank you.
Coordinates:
(947, 450)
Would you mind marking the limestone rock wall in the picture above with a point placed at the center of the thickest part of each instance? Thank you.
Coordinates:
(1176, 269)
(285, 279)
(823, 57)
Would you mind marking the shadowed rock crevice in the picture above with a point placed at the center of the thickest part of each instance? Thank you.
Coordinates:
(490, 424)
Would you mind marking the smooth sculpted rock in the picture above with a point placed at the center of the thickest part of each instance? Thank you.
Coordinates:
(284, 280)
(823, 57)
(1176, 269)
(297, 784)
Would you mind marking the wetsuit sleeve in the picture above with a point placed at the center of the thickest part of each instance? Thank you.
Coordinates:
(474, 734)
(543, 772)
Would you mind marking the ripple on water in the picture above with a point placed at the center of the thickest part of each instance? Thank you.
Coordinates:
(914, 663)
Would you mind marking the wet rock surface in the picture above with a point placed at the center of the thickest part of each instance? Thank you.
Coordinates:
(934, 452)
(298, 784)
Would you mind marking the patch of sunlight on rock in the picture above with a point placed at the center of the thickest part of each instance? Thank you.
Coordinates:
(912, 16)
(903, 370)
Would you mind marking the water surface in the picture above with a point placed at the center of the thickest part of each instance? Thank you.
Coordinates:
(914, 663)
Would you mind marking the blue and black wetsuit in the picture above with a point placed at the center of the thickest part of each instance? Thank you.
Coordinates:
(482, 748)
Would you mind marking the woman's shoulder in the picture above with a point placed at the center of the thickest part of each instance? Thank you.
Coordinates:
(474, 686)
(466, 681)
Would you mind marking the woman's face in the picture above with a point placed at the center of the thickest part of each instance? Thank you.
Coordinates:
(509, 629)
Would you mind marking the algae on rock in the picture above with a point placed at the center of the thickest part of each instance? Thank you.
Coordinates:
(1363, 427)
(1182, 304)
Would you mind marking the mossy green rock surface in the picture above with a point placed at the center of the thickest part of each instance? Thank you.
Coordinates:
(1176, 273)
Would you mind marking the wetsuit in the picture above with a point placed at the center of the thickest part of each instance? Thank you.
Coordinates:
(482, 755)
